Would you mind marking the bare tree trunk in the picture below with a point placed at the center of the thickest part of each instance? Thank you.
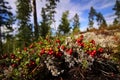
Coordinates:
(35, 19)
(1, 46)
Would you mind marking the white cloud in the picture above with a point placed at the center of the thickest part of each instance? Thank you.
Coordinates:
(40, 4)
(105, 4)
(13, 5)
(109, 18)
(67, 5)
(86, 6)
(97, 4)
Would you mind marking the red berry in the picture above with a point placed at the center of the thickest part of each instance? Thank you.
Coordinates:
(70, 51)
(12, 56)
(14, 65)
(40, 42)
(100, 49)
(57, 41)
(50, 52)
(32, 62)
(93, 53)
(42, 51)
(81, 44)
(25, 49)
(63, 47)
(4, 56)
(59, 54)
(81, 36)
(92, 41)
(79, 40)
(58, 47)
(88, 52)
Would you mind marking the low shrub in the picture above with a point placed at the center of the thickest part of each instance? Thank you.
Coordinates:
(59, 59)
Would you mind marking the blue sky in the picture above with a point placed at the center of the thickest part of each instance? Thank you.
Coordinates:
(81, 7)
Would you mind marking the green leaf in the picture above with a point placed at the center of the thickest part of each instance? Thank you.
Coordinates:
(37, 60)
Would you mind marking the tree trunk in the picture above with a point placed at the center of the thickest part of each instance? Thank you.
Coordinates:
(1, 46)
(35, 19)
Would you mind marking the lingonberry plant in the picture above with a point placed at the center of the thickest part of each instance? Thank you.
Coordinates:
(55, 57)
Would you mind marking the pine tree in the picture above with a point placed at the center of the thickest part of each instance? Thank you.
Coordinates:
(5, 19)
(117, 10)
(115, 22)
(101, 20)
(9, 44)
(23, 16)
(44, 27)
(65, 25)
(92, 14)
(76, 24)
(50, 12)
(50, 9)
